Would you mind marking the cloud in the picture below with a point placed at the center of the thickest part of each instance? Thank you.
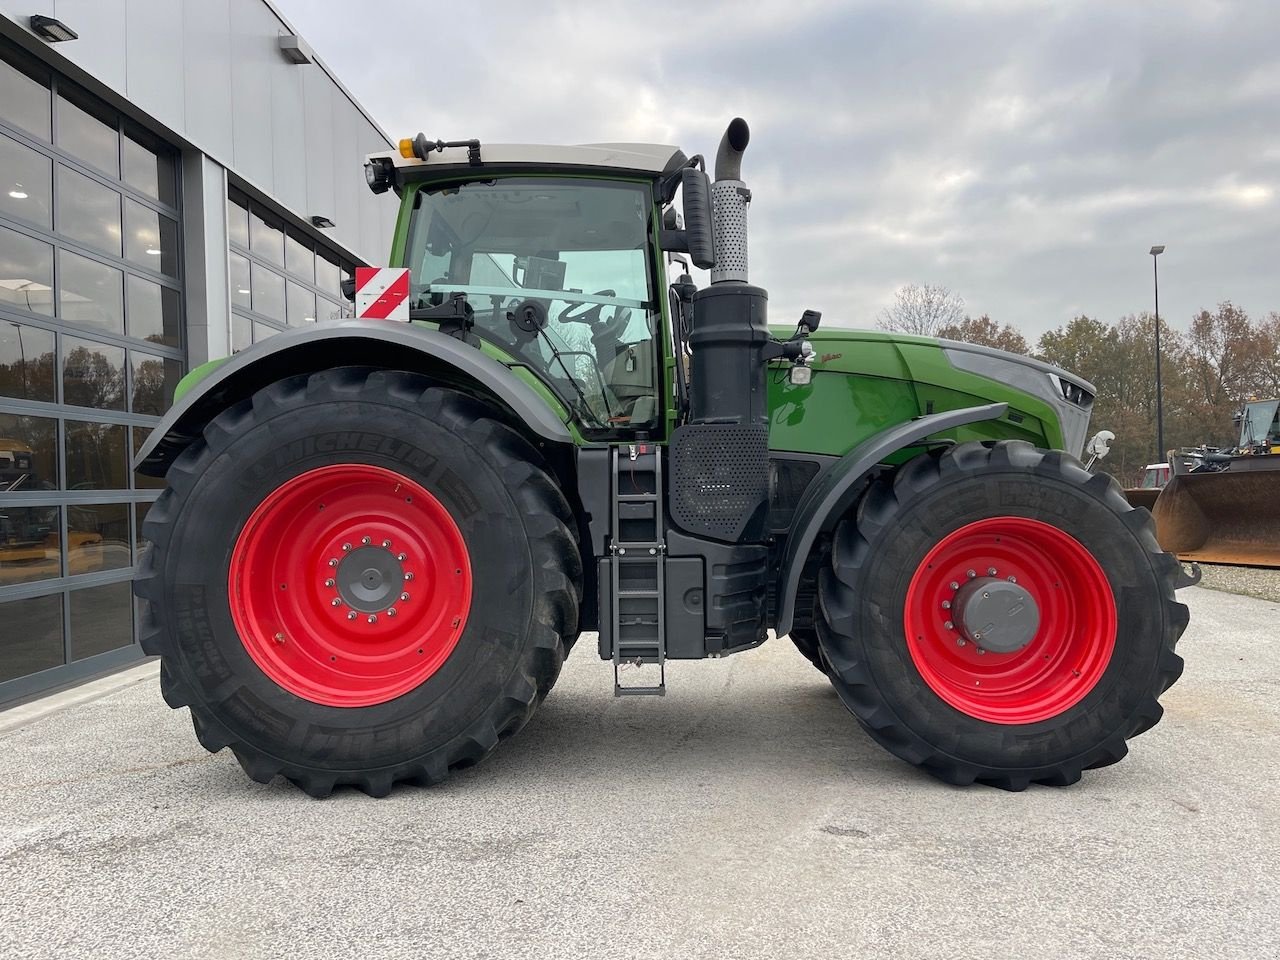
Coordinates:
(1025, 154)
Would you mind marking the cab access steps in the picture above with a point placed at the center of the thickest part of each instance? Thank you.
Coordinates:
(636, 564)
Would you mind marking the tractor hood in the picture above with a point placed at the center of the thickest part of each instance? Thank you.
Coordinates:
(899, 377)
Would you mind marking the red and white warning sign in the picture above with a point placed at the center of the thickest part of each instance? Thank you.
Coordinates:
(382, 293)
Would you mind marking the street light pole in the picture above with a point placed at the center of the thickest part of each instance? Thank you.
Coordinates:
(1155, 272)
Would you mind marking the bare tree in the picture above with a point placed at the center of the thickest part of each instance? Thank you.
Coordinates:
(923, 309)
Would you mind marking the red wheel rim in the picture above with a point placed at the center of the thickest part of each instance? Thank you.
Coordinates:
(350, 585)
(1066, 655)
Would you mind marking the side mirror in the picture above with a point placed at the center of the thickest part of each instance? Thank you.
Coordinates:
(696, 238)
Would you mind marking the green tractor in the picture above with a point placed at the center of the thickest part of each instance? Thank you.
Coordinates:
(379, 540)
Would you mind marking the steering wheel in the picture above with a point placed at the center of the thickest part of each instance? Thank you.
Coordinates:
(587, 313)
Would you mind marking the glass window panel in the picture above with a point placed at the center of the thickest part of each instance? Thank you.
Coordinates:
(140, 517)
(29, 538)
(26, 101)
(140, 480)
(149, 171)
(302, 305)
(299, 259)
(97, 537)
(327, 309)
(151, 239)
(92, 375)
(88, 211)
(241, 332)
(90, 293)
(268, 292)
(28, 453)
(154, 312)
(32, 637)
(88, 138)
(26, 183)
(26, 272)
(238, 224)
(154, 380)
(263, 331)
(101, 619)
(265, 240)
(240, 295)
(27, 362)
(96, 456)
(327, 276)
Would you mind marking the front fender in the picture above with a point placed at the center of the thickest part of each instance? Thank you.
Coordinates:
(834, 491)
(345, 343)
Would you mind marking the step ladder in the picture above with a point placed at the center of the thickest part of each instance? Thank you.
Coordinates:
(638, 554)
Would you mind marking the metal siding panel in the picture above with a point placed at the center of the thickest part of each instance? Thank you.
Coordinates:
(206, 28)
(254, 48)
(104, 54)
(288, 133)
(320, 144)
(347, 179)
(153, 69)
(367, 203)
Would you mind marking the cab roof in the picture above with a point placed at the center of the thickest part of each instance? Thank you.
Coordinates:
(647, 159)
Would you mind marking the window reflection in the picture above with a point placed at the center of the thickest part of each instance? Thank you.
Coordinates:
(90, 293)
(154, 380)
(302, 305)
(149, 171)
(154, 312)
(140, 480)
(268, 292)
(327, 309)
(26, 362)
(26, 101)
(238, 224)
(30, 634)
(96, 456)
(26, 183)
(28, 453)
(29, 544)
(97, 537)
(151, 240)
(265, 240)
(88, 211)
(241, 332)
(101, 620)
(26, 272)
(88, 138)
(92, 374)
(327, 276)
(240, 289)
(299, 259)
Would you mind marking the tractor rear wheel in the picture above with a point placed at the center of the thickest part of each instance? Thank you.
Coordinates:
(999, 614)
(359, 578)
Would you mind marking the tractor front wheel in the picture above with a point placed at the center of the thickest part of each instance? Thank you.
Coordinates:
(999, 614)
(359, 578)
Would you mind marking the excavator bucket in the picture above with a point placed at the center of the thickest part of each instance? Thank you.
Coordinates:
(1228, 516)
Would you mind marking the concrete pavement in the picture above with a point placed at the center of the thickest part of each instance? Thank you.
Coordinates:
(744, 815)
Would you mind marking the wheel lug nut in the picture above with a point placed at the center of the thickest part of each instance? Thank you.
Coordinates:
(373, 618)
(981, 651)
(391, 612)
(329, 583)
(279, 638)
(954, 585)
(946, 604)
(351, 615)
(386, 544)
(408, 576)
(402, 557)
(991, 571)
(333, 562)
(335, 602)
(365, 541)
(959, 641)
(949, 625)
(404, 596)
(1012, 579)
(346, 548)
(970, 574)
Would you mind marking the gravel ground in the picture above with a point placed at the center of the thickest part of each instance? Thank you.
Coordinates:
(1257, 582)
(744, 815)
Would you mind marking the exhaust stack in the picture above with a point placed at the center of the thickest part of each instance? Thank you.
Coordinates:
(729, 200)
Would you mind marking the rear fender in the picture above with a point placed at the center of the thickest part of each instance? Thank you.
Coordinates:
(834, 492)
(394, 346)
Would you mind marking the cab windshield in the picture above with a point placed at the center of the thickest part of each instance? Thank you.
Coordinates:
(556, 273)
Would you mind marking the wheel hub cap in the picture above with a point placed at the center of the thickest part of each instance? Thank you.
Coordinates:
(998, 615)
(370, 579)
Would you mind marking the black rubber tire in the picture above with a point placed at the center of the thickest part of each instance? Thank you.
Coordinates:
(806, 641)
(527, 580)
(880, 544)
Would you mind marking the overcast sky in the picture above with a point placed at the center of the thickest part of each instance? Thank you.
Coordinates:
(1025, 154)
